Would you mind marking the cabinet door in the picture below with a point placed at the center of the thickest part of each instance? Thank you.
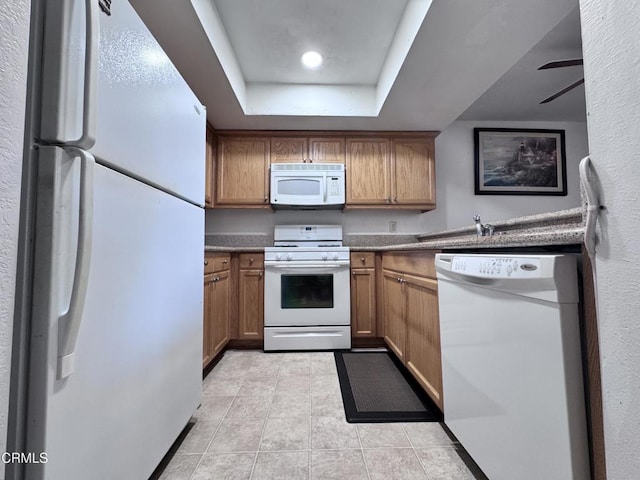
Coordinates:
(243, 171)
(289, 149)
(395, 331)
(326, 150)
(219, 335)
(368, 172)
(363, 302)
(207, 320)
(209, 171)
(423, 335)
(251, 304)
(413, 172)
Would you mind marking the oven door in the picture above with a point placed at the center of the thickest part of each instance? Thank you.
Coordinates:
(299, 294)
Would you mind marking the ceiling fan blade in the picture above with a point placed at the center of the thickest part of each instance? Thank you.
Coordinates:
(563, 91)
(561, 63)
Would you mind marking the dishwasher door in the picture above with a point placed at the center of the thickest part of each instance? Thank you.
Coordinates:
(512, 365)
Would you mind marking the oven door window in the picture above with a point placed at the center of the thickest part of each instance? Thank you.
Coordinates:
(306, 291)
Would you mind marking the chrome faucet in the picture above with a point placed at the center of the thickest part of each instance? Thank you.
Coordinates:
(483, 230)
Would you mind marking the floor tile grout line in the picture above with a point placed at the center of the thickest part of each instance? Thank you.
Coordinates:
(413, 449)
(364, 460)
(212, 437)
(264, 425)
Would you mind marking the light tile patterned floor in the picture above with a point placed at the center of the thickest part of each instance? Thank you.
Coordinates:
(280, 416)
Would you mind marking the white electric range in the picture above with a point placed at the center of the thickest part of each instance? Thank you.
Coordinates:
(307, 300)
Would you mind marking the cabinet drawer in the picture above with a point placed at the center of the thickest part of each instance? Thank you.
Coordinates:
(417, 263)
(252, 260)
(363, 259)
(216, 262)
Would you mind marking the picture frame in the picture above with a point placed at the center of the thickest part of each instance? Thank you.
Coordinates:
(513, 161)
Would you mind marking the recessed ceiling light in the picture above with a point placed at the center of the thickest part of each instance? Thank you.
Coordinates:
(311, 59)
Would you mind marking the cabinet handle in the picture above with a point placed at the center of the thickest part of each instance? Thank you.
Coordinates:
(398, 279)
(224, 262)
(251, 261)
(261, 274)
(206, 262)
(266, 199)
(362, 259)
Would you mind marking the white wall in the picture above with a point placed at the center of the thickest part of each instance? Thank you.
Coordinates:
(456, 200)
(14, 31)
(611, 48)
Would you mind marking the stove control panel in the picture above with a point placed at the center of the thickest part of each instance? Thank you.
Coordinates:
(311, 254)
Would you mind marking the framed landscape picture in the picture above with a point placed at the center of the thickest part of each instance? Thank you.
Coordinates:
(511, 161)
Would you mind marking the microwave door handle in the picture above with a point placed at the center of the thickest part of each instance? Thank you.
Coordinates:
(326, 187)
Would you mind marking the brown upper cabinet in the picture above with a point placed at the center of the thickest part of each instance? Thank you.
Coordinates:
(383, 169)
(299, 149)
(289, 149)
(369, 171)
(391, 172)
(413, 172)
(242, 171)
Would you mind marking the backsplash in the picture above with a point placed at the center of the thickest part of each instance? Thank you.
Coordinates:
(378, 240)
(360, 222)
(232, 240)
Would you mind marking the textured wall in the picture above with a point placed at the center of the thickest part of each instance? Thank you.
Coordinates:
(611, 47)
(14, 30)
(457, 202)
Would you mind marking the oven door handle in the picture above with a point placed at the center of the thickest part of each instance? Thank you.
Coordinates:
(309, 266)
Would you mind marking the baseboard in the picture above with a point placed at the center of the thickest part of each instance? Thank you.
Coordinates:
(367, 342)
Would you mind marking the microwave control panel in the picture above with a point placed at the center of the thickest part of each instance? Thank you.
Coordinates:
(335, 186)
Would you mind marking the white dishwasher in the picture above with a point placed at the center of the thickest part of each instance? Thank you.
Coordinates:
(512, 365)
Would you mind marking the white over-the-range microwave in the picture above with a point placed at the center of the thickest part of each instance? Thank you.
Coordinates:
(307, 185)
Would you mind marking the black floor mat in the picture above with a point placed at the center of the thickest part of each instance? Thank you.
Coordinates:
(376, 388)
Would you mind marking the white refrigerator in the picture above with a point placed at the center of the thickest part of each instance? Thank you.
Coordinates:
(112, 370)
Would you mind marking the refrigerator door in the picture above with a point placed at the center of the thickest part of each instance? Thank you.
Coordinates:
(148, 123)
(137, 371)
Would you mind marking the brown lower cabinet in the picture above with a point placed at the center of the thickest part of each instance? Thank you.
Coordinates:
(411, 322)
(217, 282)
(363, 295)
(251, 296)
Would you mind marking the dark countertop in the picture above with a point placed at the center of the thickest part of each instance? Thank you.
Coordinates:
(564, 227)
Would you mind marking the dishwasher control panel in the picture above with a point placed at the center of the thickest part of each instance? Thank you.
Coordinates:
(496, 267)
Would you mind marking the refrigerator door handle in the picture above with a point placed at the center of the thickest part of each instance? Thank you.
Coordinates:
(88, 137)
(69, 321)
